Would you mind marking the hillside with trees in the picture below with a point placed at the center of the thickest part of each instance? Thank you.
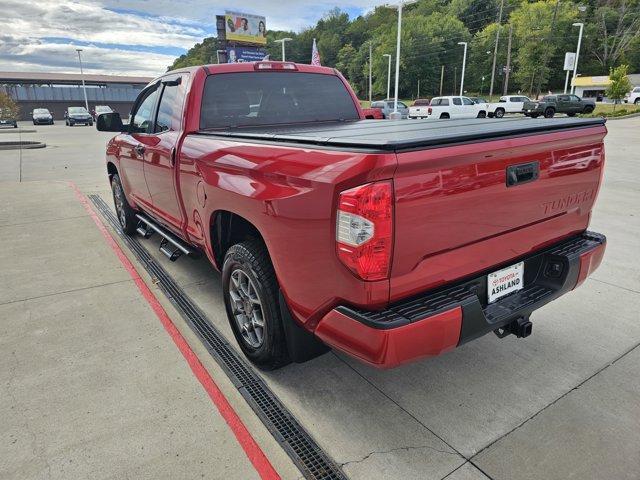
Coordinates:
(541, 33)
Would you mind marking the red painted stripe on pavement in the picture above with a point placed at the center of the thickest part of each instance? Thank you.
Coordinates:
(253, 451)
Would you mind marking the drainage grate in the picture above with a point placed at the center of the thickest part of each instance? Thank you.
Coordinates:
(303, 450)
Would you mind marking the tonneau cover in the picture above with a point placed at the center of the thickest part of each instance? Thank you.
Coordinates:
(403, 134)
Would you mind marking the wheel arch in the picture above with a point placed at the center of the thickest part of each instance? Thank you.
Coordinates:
(227, 228)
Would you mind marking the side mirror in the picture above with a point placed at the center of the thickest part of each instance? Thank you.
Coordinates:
(109, 122)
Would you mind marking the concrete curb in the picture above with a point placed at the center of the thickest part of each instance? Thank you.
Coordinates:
(21, 145)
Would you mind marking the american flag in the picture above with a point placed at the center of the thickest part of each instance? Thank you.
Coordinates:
(315, 56)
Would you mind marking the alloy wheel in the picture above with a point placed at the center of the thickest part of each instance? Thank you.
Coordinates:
(247, 308)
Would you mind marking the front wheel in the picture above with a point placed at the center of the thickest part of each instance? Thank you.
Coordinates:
(499, 113)
(250, 294)
(534, 115)
(482, 114)
(126, 214)
(637, 102)
(549, 113)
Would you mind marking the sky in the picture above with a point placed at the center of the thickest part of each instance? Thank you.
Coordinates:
(135, 37)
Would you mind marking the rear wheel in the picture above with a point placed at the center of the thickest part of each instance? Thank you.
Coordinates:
(250, 294)
(588, 109)
(549, 113)
(637, 102)
(126, 214)
(482, 114)
(499, 113)
(535, 115)
(444, 116)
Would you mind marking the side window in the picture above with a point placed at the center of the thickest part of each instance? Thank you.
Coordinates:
(575, 98)
(467, 101)
(457, 101)
(401, 105)
(142, 118)
(444, 102)
(170, 108)
(563, 98)
(435, 102)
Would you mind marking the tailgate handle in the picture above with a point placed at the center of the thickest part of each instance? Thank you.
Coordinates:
(522, 173)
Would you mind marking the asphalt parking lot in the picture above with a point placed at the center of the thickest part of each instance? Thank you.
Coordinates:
(96, 382)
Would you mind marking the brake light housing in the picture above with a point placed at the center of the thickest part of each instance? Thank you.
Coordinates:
(364, 230)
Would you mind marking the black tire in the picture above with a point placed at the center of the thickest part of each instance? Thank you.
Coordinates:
(549, 112)
(637, 101)
(126, 215)
(444, 116)
(573, 114)
(499, 112)
(482, 114)
(535, 115)
(588, 109)
(250, 260)
(91, 124)
(490, 115)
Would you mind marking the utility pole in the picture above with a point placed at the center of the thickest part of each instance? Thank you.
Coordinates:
(418, 89)
(370, 66)
(441, 78)
(84, 88)
(388, 74)
(495, 50)
(283, 41)
(575, 65)
(464, 61)
(395, 114)
(506, 75)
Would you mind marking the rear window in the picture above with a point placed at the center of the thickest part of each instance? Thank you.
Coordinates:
(420, 102)
(270, 98)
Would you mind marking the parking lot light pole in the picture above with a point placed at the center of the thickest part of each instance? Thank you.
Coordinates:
(575, 64)
(283, 41)
(84, 88)
(464, 61)
(395, 114)
(388, 74)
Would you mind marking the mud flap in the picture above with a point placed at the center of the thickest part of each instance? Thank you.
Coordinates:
(301, 344)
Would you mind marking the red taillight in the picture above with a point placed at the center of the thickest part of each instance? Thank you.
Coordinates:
(364, 229)
(430, 111)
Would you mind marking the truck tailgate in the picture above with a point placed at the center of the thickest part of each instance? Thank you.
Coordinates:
(456, 215)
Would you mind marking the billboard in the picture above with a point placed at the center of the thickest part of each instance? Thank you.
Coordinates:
(569, 60)
(245, 54)
(242, 27)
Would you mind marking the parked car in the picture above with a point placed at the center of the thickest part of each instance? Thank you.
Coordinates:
(41, 116)
(100, 109)
(372, 113)
(455, 107)
(387, 106)
(419, 108)
(633, 96)
(7, 120)
(507, 104)
(552, 104)
(76, 115)
(379, 239)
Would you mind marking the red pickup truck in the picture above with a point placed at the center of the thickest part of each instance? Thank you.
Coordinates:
(390, 241)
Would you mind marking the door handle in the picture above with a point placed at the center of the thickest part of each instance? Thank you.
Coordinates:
(139, 149)
(522, 173)
(172, 157)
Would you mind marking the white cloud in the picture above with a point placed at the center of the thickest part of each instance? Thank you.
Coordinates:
(145, 25)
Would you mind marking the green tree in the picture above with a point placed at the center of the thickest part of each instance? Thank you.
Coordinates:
(8, 107)
(620, 83)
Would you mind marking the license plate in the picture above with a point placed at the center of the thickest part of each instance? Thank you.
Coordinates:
(505, 281)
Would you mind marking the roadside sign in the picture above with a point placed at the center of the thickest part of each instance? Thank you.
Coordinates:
(569, 60)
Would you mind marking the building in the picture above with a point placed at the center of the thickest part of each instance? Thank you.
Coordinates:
(57, 91)
(594, 87)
